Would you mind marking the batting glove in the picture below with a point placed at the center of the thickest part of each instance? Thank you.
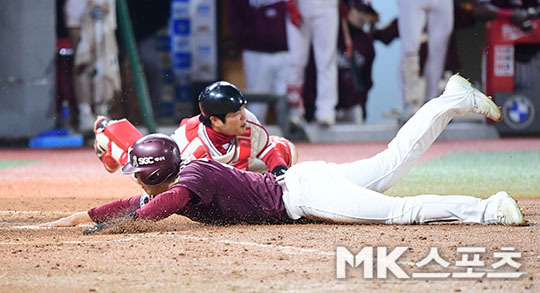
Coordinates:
(102, 226)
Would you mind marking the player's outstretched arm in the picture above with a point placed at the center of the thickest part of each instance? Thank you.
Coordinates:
(70, 221)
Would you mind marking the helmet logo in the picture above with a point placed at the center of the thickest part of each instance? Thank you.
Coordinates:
(155, 158)
(149, 160)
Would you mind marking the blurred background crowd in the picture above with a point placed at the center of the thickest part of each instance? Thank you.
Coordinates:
(333, 61)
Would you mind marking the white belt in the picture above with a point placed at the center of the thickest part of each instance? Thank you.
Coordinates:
(292, 210)
(281, 181)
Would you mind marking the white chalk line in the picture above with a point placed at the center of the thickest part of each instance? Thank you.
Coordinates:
(29, 227)
(288, 249)
(8, 212)
(36, 227)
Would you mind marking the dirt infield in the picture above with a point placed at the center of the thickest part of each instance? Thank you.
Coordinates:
(177, 255)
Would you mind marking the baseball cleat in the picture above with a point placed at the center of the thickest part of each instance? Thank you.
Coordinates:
(325, 123)
(481, 103)
(508, 211)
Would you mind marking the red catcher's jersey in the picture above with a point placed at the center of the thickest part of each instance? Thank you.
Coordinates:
(244, 152)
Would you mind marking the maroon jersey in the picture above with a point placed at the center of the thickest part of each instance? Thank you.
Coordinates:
(209, 192)
(223, 194)
(259, 25)
(114, 209)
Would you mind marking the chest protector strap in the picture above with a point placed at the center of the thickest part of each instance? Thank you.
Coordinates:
(243, 147)
(196, 149)
(192, 127)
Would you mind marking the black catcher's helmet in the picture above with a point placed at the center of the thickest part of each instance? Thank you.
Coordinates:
(155, 156)
(220, 98)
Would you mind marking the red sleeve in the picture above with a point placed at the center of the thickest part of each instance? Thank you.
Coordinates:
(114, 209)
(165, 204)
(273, 158)
(237, 20)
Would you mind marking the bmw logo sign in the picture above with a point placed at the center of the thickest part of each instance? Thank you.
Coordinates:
(518, 111)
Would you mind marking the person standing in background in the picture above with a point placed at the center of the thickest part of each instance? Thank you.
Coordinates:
(355, 60)
(66, 103)
(519, 12)
(463, 18)
(259, 28)
(73, 11)
(92, 26)
(148, 17)
(413, 17)
(313, 22)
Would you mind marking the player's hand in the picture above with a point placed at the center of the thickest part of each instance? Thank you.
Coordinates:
(521, 18)
(63, 222)
(294, 13)
(69, 221)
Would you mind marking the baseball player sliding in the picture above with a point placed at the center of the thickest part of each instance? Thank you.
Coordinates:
(211, 192)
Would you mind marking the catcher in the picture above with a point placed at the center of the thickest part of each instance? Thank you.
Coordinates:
(224, 131)
(211, 192)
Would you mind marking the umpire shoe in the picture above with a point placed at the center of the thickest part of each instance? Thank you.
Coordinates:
(508, 212)
(481, 104)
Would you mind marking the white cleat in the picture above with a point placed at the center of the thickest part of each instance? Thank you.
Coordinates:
(325, 123)
(481, 103)
(508, 211)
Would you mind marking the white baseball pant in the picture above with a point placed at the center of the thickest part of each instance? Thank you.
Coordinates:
(320, 28)
(352, 192)
(265, 73)
(412, 19)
